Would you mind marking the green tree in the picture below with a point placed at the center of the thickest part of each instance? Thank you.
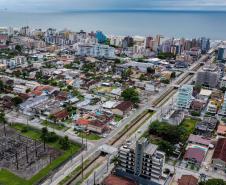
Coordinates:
(17, 73)
(53, 118)
(117, 61)
(24, 74)
(17, 100)
(28, 90)
(18, 48)
(115, 160)
(69, 87)
(166, 147)
(38, 75)
(131, 94)
(213, 182)
(2, 117)
(150, 70)
(173, 74)
(65, 143)
(142, 77)
(127, 73)
(166, 55)
(165, 81)
(2, 87)
(44, 134)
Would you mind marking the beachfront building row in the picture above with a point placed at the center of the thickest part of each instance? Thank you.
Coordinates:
(95, 50)
(141, 162)
(184, 97)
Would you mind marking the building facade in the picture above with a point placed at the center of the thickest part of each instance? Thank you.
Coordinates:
(184, 97)
(141, 161)
(95, 50)
(221, 53)
(208, 76)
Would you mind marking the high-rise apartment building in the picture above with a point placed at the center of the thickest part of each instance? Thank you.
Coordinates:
(208, 76)
(141, 162)
(184, 97)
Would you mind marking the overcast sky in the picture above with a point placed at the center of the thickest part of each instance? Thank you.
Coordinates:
(69, 5)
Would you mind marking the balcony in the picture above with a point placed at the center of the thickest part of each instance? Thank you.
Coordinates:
(156, 167)
(154, 176)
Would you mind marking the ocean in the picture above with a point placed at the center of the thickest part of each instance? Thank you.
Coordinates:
(188, 24)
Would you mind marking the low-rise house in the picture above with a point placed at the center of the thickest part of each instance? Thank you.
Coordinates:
(212, 107)
(207, 126)
(116, 92)
(204, 94)
(97, 127)
(221, 130)
(61, 115)
(7, 102)
(20, 89)
(44, 90)
(174, 117)
(62, 96)
(92, 125)
(31, 102)
(194, 156)
(187, 180)
(219, 155)
(197, 105)
(200, 140)
(110, 104)
(122, 108)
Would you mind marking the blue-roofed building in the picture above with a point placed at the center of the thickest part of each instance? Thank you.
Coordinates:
(101, 37)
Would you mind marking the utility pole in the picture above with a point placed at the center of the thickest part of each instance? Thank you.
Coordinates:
(4, 129)
(17, 163)
(86, 141)
(82, 167)
(94, 178)
(36, 151)
(26, 153)
(108, 157)
(82, 138)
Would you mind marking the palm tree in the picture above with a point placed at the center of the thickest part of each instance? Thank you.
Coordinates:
(3, 120)
(2, 117)
(115, 160)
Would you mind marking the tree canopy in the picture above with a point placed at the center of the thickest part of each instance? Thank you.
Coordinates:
(131, 94)
(213, 182)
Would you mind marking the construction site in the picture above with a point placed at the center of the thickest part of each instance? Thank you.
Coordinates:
(23, 156)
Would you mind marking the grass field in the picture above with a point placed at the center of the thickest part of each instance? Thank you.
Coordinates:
(189, 125)
(54, 125)
(89, 136)
(8, 178)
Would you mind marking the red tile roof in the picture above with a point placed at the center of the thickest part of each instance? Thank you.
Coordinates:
(97, 123)
(61, 114)
(220, 150)
(124, 106)
(82, 122)
(187, 180)
(195, 153)
(39, 90)
(114, 180)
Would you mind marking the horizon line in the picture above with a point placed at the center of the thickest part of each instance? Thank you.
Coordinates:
(119, 10)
